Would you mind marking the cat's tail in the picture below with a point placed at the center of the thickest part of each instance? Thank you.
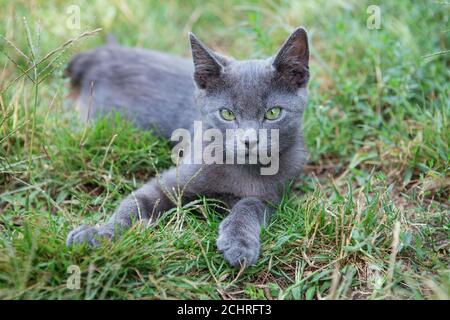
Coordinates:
(77, 67)
(83, 62)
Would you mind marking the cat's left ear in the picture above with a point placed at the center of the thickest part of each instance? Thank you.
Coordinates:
(208, 66)
(292, 61)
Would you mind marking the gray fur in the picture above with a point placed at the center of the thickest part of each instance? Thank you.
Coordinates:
(159, 91)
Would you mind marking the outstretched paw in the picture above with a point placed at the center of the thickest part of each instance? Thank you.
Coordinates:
(239, 248)
(90, 235)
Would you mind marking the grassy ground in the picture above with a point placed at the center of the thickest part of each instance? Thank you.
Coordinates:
(369, 219)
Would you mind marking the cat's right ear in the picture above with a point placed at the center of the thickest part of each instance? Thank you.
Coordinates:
(207, 68)
(292, 61)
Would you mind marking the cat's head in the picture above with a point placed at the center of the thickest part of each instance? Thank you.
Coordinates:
(254, 94)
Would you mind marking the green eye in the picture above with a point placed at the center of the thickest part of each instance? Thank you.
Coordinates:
(273, 113)
(227, 115)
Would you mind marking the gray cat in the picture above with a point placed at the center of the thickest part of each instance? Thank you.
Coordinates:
(163, 93)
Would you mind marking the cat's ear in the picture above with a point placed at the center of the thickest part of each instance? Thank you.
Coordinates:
(207, 64)
(292, 61)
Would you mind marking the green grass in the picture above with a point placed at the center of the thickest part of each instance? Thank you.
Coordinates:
(369, 218)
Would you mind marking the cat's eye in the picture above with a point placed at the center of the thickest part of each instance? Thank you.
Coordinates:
(227, 115)
(273, 113)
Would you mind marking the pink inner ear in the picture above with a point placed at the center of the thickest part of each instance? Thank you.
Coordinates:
(294, 51)
(298, 49)
(292, 61)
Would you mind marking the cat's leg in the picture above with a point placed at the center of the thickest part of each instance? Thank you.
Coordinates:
(239, 232)
(144, 205)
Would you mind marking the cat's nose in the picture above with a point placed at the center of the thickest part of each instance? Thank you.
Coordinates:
(250, 143)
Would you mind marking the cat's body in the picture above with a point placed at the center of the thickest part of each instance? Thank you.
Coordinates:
(148, 87)
(156, 90)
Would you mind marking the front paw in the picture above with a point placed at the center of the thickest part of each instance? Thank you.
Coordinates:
(238, 245)
(90, 235)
